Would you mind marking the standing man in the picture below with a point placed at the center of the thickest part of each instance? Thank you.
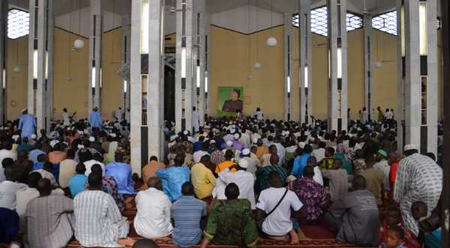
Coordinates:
(65, 117)
(27, 124)
(419, 178)
(118, 114)
(95, 119)
(195, 120)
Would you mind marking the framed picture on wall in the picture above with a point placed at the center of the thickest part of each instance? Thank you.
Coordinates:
(230, 101)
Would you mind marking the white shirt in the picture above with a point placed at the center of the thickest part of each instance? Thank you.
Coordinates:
(8, 192)
(279, 222)
(245, 140)
(319, 154)
(389, 115)
(318, 175)
(195, 121)
(281, 152)
(198, 155)
(90, 163)
(66, 119)
(243, 179)
(47, 175)
(118, 114)
(153, 214)
(383, 165)
(266, 159)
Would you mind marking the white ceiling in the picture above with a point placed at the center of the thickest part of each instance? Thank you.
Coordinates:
(123, 7)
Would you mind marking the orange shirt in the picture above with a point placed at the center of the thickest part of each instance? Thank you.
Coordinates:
(261, 151)
(149, 171)
(56, 157)
(225, 164)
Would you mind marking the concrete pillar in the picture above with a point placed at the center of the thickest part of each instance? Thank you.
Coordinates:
(147, 82)
(50, 64)
(337, 43)
(368, 65)
(305, 61)
(95, 54)
(3, 39)
(207, 23)
(200, 70)
(288, 99)
(184, 66)
(125, 46)
(418, 39)
(37, 60)
(400, 114)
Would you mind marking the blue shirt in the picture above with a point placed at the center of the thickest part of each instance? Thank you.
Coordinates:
(27, 123)
(300, 163)
(123, 176)
(95, 119)
(172, 179)
(34, 154)
(187, 213)
(76, 184)
(38, 166)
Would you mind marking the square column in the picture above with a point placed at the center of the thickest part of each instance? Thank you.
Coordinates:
(184, 73)
(288, 99)
(38, 53)
(368, 65)
(147, 82)
(305, 62)
(418, 81)
(125, 46)
(3, 39)
(95, 55)
(200, 46)
(337, 65)
(207, 24)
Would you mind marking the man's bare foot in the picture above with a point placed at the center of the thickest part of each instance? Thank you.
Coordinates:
(294, 237)
(302, 236)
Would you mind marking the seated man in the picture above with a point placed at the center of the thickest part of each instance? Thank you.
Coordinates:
(262, 174)
(203, 178)
(98, 221)
(228, 162)
(241, 177)
(49, 218)
(46, 172)
(311, 194)
(25, 196)
(150, 170)
(153, 211)
(78, 182)
(338, 180)
(122, 174)
(187, 213)
(356, 217)
(109, 186)
(9, 188)
(173, 178)
(274, 207)
(374, 179)
(230, 221)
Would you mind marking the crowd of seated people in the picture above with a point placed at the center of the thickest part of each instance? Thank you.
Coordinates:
(234, 182)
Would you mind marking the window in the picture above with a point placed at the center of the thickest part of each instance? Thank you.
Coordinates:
(319, 21)
(18, 23)
(386, 22)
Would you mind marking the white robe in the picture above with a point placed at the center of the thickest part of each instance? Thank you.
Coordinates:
(195, 121)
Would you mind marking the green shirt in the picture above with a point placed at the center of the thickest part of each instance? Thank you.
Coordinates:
(231, 223)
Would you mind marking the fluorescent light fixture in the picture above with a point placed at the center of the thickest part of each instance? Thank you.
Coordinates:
(144, 26)
(288, 84)
(35, 64)
(198, 77)
(402, 28)
(183, 62)
(93, 77)
(206, 82)
(4, 78)
(125, 86)
(423, 28)
(306, 77)
(339, 62)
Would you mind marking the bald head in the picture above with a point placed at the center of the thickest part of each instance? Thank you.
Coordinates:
(232, 191)
(44, 187)
(154, 182)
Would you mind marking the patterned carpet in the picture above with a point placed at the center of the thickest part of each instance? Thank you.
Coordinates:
(319, 236)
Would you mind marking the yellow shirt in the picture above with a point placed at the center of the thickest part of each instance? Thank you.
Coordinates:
(203, 180)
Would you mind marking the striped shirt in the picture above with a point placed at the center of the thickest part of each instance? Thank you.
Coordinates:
(187, 213)
(98, 221)
(49, 221)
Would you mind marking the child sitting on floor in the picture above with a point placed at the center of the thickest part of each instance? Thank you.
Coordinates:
(395, 237)
(419, 211)
(394, 218)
